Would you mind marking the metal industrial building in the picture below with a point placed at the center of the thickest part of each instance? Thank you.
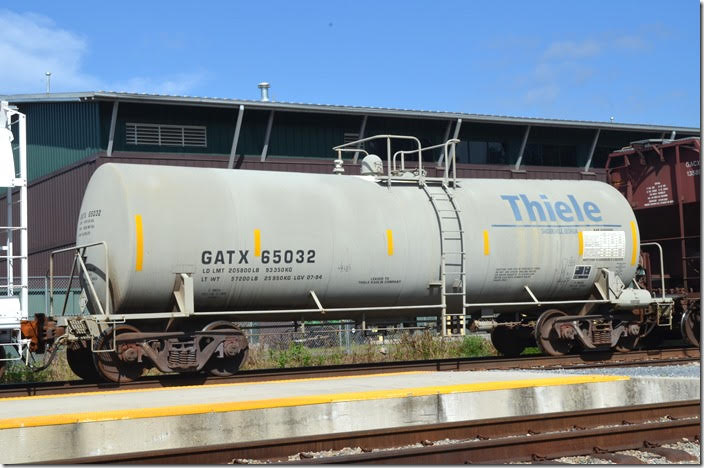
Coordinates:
(70, 134)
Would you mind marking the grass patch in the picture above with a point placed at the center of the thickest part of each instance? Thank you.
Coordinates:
(404, 347)
(530, 351)
(17, 372)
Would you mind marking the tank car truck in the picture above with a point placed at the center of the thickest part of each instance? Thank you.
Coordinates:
(171, 259)
(661, 180)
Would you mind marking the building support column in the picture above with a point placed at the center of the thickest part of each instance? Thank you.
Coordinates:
(591, 150)
(519, 160)
(236, 138)
(265, 149)
(362, 129)
(458, 125)
(113, 124)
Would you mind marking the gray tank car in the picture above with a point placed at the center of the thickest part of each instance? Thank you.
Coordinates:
(263, 240)
(179, 254)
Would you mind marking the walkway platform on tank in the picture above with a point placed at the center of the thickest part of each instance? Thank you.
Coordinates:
(42, 428)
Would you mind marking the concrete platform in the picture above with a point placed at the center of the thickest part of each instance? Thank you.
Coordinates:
(36, 429)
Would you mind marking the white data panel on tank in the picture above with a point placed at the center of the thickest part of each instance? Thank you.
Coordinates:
(604, 245)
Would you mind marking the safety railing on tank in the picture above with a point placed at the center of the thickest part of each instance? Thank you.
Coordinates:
(103, 316)
(79, 253)
(399, 173)
(449, 159)
(662, 265)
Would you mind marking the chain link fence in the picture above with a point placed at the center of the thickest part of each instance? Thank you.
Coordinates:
(39, 294)
(330, 334)
(312, 335)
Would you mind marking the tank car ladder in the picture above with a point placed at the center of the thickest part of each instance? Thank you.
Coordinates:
(452, 253)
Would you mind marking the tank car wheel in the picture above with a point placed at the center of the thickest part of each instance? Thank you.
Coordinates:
(506, 341)
(226, 366)
(80, 360)
(547, 338)
(109, 364)
(690, 325)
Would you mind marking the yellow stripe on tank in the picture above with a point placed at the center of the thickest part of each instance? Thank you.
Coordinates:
(581, 243)
(486, 242)
(139, 254)
(634, 239)
(257, 243)
(303, 400)
(389, 242)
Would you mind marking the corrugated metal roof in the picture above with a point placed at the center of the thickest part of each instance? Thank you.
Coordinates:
(337, 109)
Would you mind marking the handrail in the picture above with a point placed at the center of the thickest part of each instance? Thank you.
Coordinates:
(662, 267)
(388, 137)
(78, 260)
(447, 161)
(391, 166)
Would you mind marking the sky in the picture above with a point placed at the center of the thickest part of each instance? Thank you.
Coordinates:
(636, 61)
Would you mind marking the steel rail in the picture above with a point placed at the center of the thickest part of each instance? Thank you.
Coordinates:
(592, 359)
(490, 440)
(530, 447)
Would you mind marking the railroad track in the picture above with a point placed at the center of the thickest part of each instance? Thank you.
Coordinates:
(664, 356)
(538, 438)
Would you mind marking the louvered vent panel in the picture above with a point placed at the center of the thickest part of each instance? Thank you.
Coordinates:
(166, 135)
(350, 137)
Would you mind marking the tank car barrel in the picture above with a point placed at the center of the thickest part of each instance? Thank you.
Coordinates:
(550, 236)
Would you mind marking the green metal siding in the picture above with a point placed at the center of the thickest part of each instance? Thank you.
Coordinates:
(293, 134)
(429, 132)
(219, 123)
(63, 133)
(60, 134)
(307, 135)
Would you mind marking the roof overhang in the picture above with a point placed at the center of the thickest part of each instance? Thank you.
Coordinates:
(335, 109)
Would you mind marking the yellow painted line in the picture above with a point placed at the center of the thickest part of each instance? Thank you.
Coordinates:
(634, 238)
(140, 242)
(486, 242)
(389, 242)
(237, 384)
(202, 408)
(581, 243)
(257, 243)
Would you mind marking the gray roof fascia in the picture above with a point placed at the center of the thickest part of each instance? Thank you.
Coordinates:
(336, 109)
(53, 97)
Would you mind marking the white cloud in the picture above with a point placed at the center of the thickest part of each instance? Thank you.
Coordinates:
(179, 84)
(542, 94)
(564, 65)
(571, 50)
(630, 42)
(32, 44)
